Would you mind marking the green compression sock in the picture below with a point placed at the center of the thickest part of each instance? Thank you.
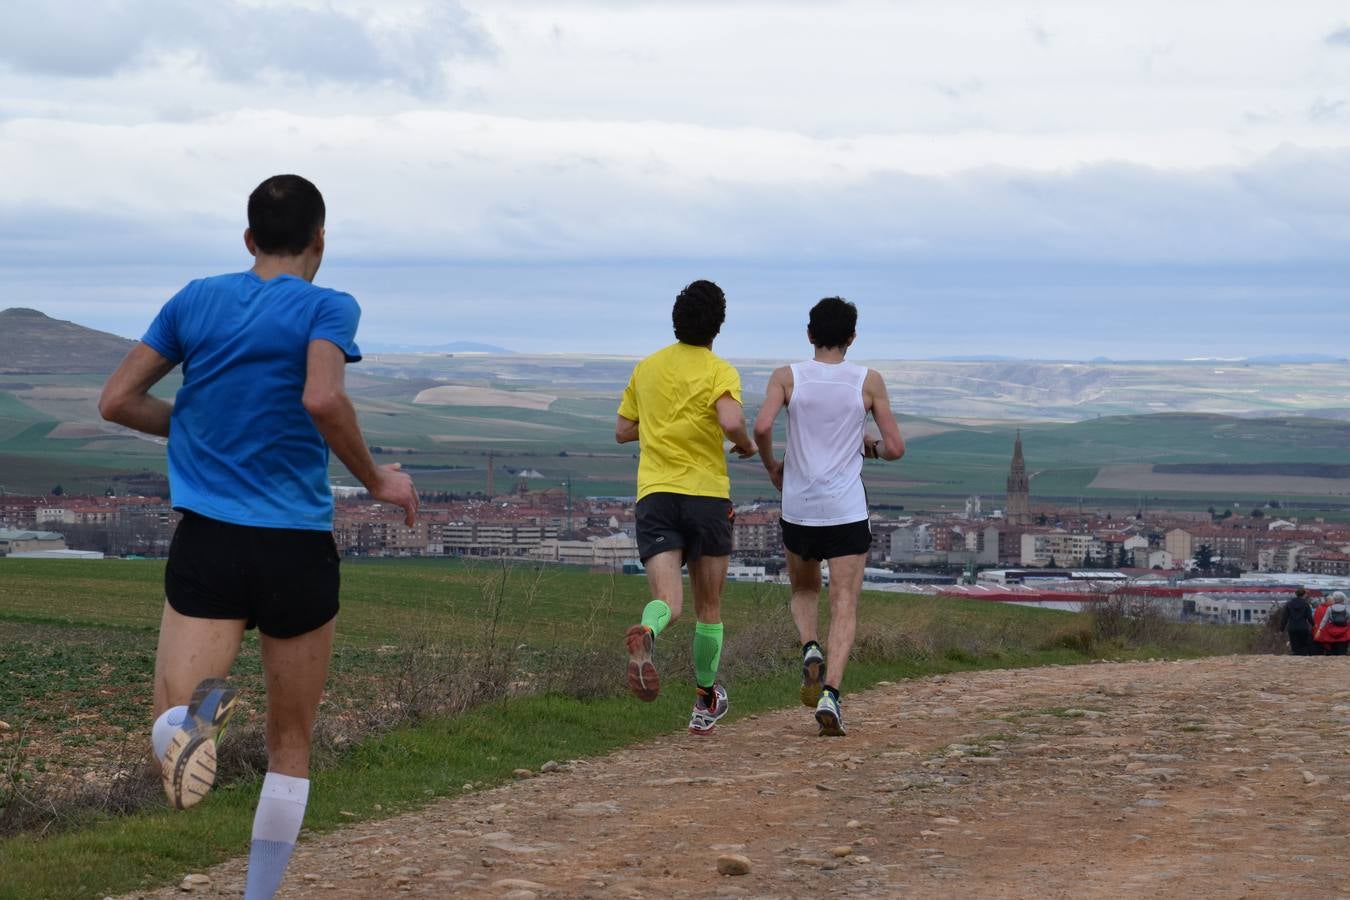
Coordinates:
(707, 652)
(656, 616)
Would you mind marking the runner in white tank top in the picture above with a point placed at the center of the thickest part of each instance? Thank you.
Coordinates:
(824, 503)
(822, 472)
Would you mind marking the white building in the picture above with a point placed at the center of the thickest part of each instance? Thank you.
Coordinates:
(1233, 610)
(909, 541)
(605, 552)
(747, 573)
(14, 542)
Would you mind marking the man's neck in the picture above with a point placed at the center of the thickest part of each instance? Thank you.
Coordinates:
(266, 266)
(829, 354)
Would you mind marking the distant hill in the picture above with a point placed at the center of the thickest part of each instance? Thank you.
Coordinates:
(452, 347)
(1296, 358)
(33, 343)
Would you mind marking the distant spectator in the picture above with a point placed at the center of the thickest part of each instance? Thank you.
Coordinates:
(1331, 625)
(1296, 619)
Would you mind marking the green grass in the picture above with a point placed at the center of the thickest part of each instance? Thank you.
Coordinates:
(394, 773)
(573, 440)
(78, 638)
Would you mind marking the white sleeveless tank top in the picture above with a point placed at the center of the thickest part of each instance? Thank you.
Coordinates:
(822, 471)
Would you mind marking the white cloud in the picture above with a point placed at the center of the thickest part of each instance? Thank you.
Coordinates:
(240, 42)
(965, 136)
(466, 186)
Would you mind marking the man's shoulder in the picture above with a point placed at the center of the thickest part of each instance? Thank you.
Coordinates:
(317, 293)
(717, 362)
(222, 283)
(321, 291)
(666, 356)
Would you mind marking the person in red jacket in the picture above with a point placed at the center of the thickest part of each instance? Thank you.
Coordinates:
(1331, 626)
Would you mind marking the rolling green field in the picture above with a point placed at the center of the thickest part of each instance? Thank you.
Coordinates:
(50, 434)
(447, 676)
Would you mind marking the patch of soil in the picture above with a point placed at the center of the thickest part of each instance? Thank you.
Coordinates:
(1223, 777)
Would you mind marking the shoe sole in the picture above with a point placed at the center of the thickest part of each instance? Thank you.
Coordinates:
(189, 768)
(813, 681)
(642, 678)
(830, 726)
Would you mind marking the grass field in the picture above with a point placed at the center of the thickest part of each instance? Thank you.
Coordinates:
(445, 446)
(445, 675)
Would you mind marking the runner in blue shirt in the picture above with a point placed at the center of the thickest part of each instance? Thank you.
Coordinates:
(262, 402)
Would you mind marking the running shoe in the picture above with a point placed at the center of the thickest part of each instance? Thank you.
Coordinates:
(190, 762)
(642, 678)
(708, 708)
(828, 715)
(813, 675)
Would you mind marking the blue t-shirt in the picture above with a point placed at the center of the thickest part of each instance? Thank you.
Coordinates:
(242, 449)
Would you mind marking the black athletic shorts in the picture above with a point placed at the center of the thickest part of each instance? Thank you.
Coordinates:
(827, 541)
(283, 581)
(700, 526)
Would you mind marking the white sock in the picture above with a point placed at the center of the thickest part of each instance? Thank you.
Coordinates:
(276, 825)
(165, 726)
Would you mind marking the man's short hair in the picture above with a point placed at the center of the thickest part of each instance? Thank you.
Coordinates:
(285, 212)
(700, 309)
(833, 321)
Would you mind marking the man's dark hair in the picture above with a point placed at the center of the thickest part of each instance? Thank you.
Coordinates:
(833, 321)
(284, 214)
(700, 309)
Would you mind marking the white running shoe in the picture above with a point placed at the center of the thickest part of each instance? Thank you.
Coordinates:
(828, 715)
(708, 709)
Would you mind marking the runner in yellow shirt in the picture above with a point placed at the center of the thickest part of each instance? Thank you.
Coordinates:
(680, 403)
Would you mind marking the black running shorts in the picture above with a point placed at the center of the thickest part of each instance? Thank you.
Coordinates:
(283, 581)
(700, 526)
(827, 541)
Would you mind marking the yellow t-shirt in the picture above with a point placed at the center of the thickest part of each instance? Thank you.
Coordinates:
(673, 397)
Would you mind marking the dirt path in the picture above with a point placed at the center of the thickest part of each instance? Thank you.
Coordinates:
(1214, 777)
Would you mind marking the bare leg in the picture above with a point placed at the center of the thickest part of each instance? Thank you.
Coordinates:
(846, 576)
(191, 649)
(707, 575)
(665, 582)
(804, 576)
(296, 669)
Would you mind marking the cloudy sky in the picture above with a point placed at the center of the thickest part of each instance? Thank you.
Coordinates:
(1059, 179)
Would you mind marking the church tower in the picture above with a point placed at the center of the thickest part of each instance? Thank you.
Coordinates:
(1018, 508)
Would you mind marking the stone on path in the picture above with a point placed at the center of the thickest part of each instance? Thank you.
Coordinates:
(519, 884)
(733, 864)
(194, 882)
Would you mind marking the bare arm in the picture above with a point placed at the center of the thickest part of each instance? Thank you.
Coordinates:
(732, 419)
(625, 430)
(892, 445)
(126, 397)
(775, 398)
(327, 403)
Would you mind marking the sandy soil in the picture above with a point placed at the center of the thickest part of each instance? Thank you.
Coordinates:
(1222, 777)
(465, 395)
(1141, 477)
